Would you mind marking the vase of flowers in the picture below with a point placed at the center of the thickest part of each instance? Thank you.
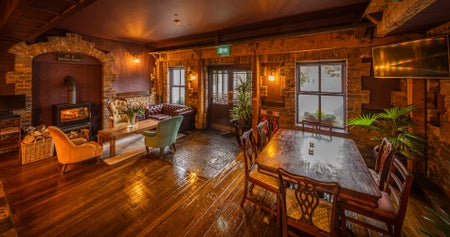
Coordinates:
(132, 110)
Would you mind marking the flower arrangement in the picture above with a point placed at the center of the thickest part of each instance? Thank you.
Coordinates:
(132, 109)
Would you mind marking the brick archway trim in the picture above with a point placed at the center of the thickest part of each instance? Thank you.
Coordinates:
(72, 43)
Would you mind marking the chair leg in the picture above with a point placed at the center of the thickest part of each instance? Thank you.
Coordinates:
(174, 147)
(245, 194)
(147, 150)
(63, 169)
(161, 151)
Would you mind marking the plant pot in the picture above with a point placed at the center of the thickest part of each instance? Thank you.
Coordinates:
(410, 165)
(239, 130)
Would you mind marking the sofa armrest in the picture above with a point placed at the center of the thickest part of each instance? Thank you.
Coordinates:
(184, 112)
(111, 121)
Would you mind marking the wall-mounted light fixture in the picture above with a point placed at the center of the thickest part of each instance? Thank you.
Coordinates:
(136, 59)
(272, 76)
(192, 77)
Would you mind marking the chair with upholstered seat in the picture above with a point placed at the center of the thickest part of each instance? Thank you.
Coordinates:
(388, 217)
(68, 152)
(308, 205)
(263, 130)
(254, 177)
(116, 117)
(383, 162)
(164, 135)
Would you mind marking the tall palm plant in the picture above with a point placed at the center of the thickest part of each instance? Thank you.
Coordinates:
(241, 113)
(394, 124)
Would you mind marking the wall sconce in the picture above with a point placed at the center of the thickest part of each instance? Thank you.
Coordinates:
(192, 77)
(272, 76)
(136, 59)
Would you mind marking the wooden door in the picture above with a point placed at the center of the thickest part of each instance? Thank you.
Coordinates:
(222, 80)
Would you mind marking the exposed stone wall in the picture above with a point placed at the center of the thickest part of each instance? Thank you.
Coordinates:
(21, 77)
(438, 153)
(284, 53)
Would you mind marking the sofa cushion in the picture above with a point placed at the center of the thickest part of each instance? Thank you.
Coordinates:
(153, 109)
(160, 116)
(165, 111)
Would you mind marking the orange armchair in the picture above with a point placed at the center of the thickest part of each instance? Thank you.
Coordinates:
(68, 152)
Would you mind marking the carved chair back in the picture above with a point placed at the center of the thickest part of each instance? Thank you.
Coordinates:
(308, 205)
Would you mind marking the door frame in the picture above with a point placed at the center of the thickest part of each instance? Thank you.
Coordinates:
(231, 69)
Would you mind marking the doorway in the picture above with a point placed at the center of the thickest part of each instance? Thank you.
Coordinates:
(222, 81)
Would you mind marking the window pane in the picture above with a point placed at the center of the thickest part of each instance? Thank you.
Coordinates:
(182, 77)
(220, 87)
(331, 78)
(176, 77)
(308, 106)
(333, 110)
(309, 78)
(181, 96)
(238, 77)
(175, 96)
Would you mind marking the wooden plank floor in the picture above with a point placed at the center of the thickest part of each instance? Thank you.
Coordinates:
(139, 197)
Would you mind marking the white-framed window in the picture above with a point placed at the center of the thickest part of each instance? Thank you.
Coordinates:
(177, 85)
(320, 92)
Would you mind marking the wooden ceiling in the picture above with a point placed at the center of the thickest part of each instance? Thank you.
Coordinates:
(172, 24)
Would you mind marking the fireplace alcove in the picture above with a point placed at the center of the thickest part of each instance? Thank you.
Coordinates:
(24, 54)
(49, 87)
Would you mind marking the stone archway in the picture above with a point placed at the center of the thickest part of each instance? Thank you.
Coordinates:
(21, 77)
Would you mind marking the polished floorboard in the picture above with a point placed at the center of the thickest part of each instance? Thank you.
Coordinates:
(142, 196)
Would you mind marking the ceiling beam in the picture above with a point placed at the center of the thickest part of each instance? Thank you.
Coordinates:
(443, 29)
(74, 8)
(394, 14)
(11, 14)
(323, 21)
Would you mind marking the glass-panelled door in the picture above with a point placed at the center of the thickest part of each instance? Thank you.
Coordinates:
(222, 80)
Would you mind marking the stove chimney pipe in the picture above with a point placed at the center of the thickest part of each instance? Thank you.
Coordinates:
(71, 90)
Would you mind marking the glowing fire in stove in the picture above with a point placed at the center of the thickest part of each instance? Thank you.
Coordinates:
(74, 114)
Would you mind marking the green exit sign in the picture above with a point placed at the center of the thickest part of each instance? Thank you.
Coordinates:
(221, 50)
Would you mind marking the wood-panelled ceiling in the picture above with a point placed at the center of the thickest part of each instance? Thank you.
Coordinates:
(172, 24)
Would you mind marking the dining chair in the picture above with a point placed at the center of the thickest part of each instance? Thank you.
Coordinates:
(388, 217)
(263, 130)
(383, 162)
(254, 177)
(308, 205)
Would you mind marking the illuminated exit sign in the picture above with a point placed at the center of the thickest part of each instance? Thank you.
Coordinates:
(223, 50)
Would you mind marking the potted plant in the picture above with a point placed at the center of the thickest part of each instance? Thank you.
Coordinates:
(441, 221)
(394, 124)
(241, 113)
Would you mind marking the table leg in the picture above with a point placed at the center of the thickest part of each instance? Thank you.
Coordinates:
(112, 147)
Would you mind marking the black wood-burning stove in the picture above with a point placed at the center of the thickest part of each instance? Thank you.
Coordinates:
(72, 116)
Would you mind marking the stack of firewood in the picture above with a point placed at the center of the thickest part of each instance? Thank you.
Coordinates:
(31, 133)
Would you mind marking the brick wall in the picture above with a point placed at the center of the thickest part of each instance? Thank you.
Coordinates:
(21, 77)
(438, 153)
(284, 53)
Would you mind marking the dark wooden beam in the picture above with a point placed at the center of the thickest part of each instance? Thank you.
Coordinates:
(16, 25)
(328, 20)
(393, 13)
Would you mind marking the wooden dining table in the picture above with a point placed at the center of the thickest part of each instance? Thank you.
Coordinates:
(322, 157)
